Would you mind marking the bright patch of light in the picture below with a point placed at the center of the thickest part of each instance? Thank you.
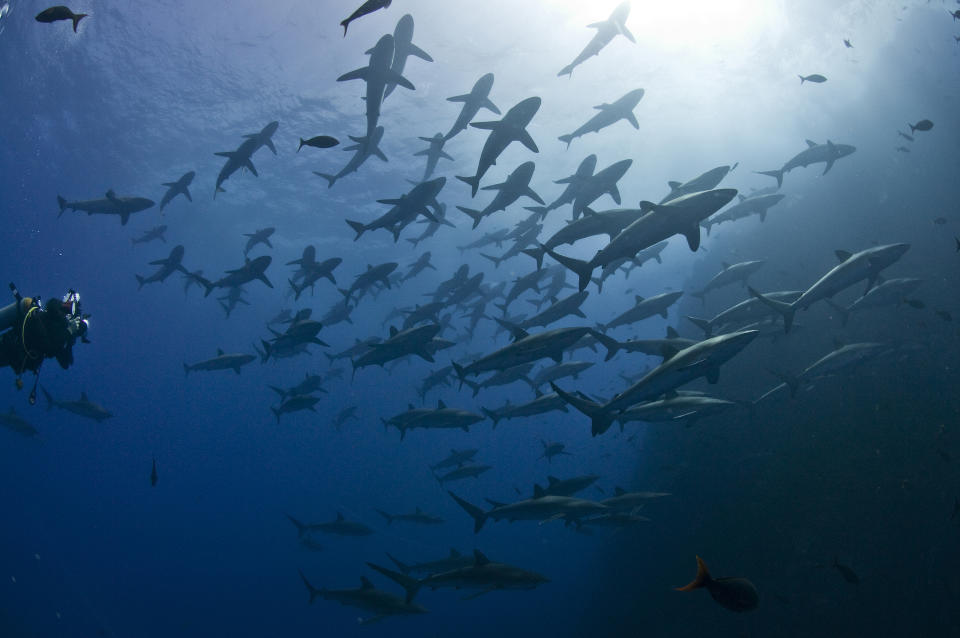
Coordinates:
(694, 26)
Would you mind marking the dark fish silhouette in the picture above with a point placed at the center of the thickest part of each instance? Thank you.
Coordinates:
(736, 594)
(847, 44)
(922, 125)
(943, 314)
(957, 239)
(153, 474)
(848, 574)
(367, 7)
(60, 12)
(320, 141)
(816, 78)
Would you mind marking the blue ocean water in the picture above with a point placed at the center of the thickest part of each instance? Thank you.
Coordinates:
(863, 467)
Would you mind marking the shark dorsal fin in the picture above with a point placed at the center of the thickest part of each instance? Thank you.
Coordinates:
(672, 333)
(339, 516)
(842, 255)
(674, 185)
(725, 265)
(552, 479)
(365, 583)
(637, 298)
(480, 559)
(219, 352)
(418, 510)
(410, 406)
(619, 491)
(811, 143)
(538, 492)
(393, 331)
(441, 405)
(83, 396)
(454, 553)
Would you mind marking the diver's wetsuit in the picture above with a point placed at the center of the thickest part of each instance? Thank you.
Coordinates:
(39, 334)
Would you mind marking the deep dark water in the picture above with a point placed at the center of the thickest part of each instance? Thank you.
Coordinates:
(863, 468)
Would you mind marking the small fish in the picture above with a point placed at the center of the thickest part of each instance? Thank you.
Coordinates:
(816, 78)
(902, 149)
(736, 594)
(320, 141)
(915, 303)
(957, 239)
(943, 314)
(955, 14)
(847, 44)
(60, 12)
(153, 474)
(940, 221)
(922, 125)
(848, 574)
(905, 136)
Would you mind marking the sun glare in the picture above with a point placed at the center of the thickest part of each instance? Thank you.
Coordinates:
(691, 25)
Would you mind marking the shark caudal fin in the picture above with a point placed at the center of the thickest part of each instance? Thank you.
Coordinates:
(536, 253)
(611, 344)
(777, 174)
(330, 178)
(403, 567)
(583, 269)
(77, 17)
(358, 227)
(410, 584)
(600, 419)
(314, 592)
(566, 138)
(703, 324)
(493, 416)
(389, 517)
(701, 579)
(785, 309)
(140, 281)
(301, 527)
(478, 515)
(475, 215)
(474, 183)
(567, 70)
(63, 205)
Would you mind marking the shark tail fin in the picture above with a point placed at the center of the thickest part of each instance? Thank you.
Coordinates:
(403, 567)
(536, 253)
(777, 174)
(475, 215)
(140, 281)
(611, 344)
(314, 592)
(410, 584)
(785, 309)
(493, 416)
(77, 17)
(330, 178)
(478, 515)
(703, 324)
(461, 374)
(583, 269)
(566, 138)
(389, 517)
(474, 183)
(63, 205)
(567, 70)
(789, 380)
(701, 579)
(358, 228)
(301, 528)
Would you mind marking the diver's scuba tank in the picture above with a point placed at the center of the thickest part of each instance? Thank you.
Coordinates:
(13, 314)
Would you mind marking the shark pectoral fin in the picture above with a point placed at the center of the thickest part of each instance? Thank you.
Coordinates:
(227, 154)
(250, 167)
(630, 117)
(525, 139)
(615, 194)
(693, 237)
(269, 144)
(187, 193)
(625, 32)
(529, 192)
(489, 126)
(420, 53)
(380, 155)
(356, 74)
(124, 218)
(396, 78)
(829, 166)
(490, 106)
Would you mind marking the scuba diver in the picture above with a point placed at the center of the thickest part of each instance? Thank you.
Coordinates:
(36, 332)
